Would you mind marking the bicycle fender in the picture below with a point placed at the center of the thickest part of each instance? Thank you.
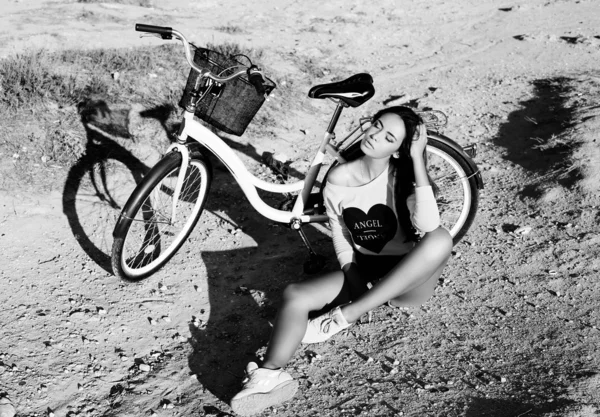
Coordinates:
(125, 216)
(452, 144)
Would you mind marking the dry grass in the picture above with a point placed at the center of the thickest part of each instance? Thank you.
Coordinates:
(231, 29)
(43, 91)
(141, 3)
(41, 128)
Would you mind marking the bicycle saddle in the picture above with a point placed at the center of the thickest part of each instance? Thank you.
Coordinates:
(353, 91)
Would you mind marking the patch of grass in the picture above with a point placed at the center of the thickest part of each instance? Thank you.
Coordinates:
(141, 3)
(231, 29)
(40, 91)
(28, 80)
(237, 51)
(312, 68)
(92, 17)
(45, 91)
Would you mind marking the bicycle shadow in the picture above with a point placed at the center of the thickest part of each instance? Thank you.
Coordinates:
(94, 186)
(531, 136)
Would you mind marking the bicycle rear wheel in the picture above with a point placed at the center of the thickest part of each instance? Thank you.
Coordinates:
(146, 236)
(456, 186)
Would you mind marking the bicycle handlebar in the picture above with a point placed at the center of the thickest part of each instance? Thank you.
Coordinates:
(165, 32)
(254, 74)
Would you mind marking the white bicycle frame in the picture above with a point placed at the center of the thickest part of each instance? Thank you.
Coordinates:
(248, 182)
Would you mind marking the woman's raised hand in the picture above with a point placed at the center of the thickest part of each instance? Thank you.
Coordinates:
(417, 147)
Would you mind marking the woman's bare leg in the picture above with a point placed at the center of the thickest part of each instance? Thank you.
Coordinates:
(299, 300)
(412, 281)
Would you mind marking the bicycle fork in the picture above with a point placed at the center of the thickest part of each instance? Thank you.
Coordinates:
(185, 159)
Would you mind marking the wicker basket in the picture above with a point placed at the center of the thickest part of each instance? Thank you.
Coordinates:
(234, 107)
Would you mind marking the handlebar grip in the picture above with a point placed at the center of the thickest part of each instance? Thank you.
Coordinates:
(162, 30)
(257, 80)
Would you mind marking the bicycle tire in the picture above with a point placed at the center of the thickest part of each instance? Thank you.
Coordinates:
(138, 252)
(461, 178)
(446, 165)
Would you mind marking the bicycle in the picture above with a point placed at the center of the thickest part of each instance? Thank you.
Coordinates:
(164, 208)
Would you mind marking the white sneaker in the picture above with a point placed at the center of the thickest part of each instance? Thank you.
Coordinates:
(263, 388)
(323, 327)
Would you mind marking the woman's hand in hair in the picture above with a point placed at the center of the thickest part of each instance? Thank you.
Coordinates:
(419, 141)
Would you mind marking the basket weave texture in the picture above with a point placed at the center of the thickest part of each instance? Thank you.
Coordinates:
(233, 109)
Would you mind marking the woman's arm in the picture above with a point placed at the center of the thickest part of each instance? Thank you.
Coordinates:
(417, 149)
(422, 206)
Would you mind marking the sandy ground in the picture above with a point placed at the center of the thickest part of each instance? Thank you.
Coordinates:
(512, 329)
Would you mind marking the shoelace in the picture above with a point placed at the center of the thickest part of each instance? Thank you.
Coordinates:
(250, 382)
(326, 324)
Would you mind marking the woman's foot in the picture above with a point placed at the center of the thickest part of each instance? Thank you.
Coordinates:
(263, 388)
(323, 327)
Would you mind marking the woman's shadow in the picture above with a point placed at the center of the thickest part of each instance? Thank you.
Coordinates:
(244, 285)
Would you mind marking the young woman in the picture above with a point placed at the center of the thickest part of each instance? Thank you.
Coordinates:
(377, 204)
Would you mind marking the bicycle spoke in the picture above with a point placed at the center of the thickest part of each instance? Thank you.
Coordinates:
(153, 233)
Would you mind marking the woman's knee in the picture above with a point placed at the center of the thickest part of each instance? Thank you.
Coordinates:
(438, 242)
(296, 293)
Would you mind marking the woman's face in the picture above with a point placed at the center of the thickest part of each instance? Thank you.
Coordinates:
(384, 136)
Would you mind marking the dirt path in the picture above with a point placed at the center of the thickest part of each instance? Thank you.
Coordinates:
(513, 327)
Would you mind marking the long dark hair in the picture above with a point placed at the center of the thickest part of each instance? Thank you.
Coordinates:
(404, 173)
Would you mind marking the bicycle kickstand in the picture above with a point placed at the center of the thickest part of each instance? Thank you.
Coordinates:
(315, 262)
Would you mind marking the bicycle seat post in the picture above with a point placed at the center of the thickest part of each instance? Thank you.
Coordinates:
(336, 116)
(315, 167)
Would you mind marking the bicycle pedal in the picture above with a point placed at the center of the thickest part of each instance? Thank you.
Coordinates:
(471, 150)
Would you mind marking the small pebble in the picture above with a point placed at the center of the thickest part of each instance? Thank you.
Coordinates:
(144, 367)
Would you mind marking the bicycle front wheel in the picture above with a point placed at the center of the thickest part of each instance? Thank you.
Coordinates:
(148, 234)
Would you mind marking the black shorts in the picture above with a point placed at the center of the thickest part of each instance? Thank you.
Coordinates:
(373, 268)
